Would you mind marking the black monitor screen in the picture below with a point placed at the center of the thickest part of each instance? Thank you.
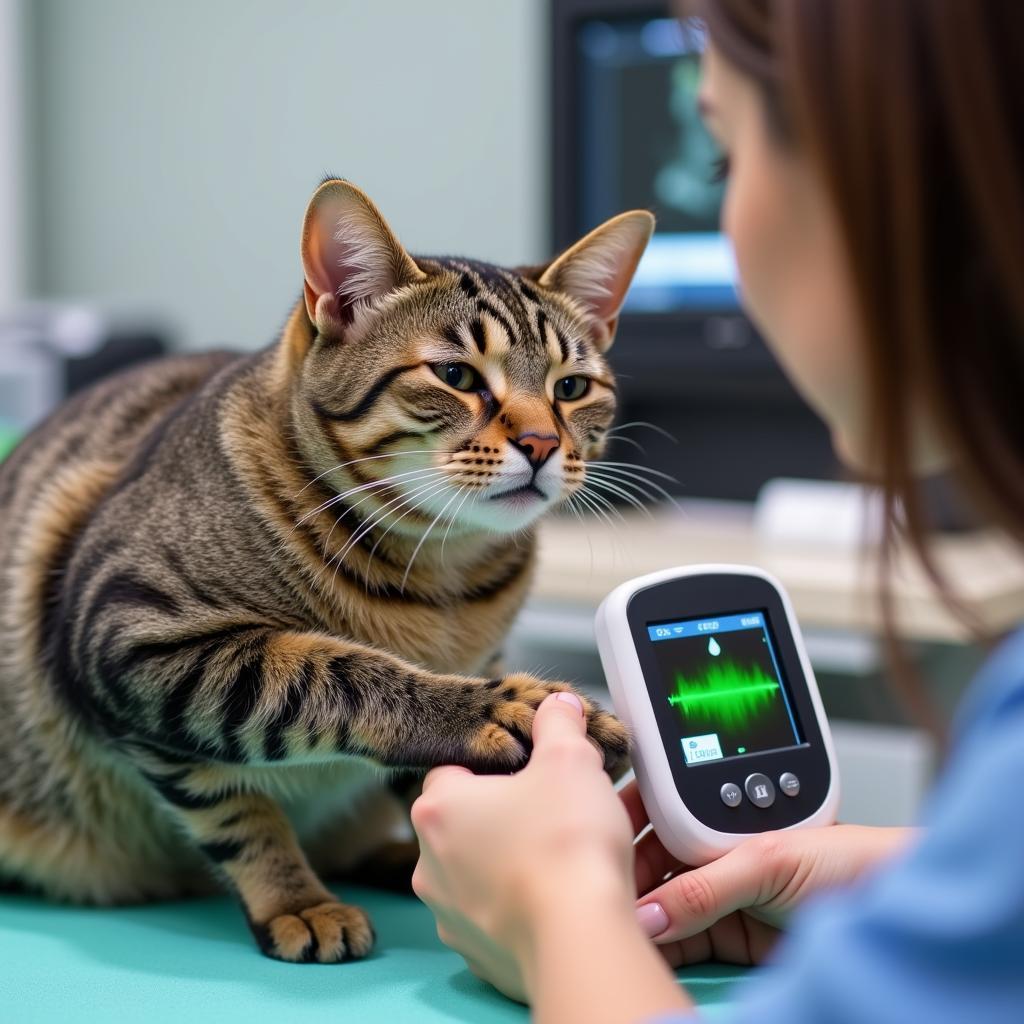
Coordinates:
(722, 679)
(642, 144)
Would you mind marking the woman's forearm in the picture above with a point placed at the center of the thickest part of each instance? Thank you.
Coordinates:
(587, 960)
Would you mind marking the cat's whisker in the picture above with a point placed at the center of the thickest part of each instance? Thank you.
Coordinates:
(636, 467)
(356, 504)
(375, 517)
(588, 502)
(650, 426)
(335, 499)
(579, 515)
(370, 485)
(451, 520)
(618, 550)
(646, 483)
(379, 517)
(374, 484)
(572, 505)
(375, 493)
(382, 513)
(606, 485)
(370, 458)
(604, 502)
(642, 488)
(422, 540)
(454, 516)
(424, 498)
(615, 439)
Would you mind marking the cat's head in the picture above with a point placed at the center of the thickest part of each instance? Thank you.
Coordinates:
(450, 388)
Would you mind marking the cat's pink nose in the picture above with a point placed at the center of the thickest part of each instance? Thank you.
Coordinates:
(537, 447)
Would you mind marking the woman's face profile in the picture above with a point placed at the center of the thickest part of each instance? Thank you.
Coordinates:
(789, 254)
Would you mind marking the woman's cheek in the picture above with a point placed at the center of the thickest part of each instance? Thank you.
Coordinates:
(759, 218)
(794, 288)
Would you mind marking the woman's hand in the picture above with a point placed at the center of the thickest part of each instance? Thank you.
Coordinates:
(530, 877)
(497, 850)
(732, 908)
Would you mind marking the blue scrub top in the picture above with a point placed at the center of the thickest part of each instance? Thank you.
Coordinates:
(938, 934)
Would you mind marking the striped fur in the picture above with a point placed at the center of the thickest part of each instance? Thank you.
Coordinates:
(215, 639)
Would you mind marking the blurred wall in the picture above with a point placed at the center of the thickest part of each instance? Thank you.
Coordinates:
(174, 145)
(12, 261)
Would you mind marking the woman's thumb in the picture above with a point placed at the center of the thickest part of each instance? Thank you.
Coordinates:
(560, 731)
(694, 900)
(559, 715)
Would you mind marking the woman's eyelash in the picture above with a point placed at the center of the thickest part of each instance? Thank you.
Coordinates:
(720, 169)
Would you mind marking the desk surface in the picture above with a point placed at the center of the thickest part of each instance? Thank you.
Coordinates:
(581, 561)
(195, 962)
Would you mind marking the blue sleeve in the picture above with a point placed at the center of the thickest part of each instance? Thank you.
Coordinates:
(938, 935)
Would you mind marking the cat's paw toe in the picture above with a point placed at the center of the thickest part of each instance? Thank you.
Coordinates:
(523, 695)
(504, 740)
(493, 748)
(612, 737)
(327, 933)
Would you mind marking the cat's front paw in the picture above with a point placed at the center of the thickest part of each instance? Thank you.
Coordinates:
(504, 741)
(611, 736)
(327, 933)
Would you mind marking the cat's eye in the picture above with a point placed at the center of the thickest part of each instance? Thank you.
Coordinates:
(568, 389)
(460, 376)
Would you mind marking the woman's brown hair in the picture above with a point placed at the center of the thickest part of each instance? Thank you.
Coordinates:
(912, 111)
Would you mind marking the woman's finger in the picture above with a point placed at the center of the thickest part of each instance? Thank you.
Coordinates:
(446, 771)
(694, 900)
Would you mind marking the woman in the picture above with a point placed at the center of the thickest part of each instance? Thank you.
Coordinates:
(876, 207)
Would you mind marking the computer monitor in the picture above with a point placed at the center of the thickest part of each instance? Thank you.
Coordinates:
(642, 144)
(626, 133)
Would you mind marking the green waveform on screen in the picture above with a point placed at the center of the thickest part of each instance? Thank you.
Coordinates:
(727, 694)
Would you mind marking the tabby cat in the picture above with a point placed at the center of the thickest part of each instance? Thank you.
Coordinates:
(238, 590)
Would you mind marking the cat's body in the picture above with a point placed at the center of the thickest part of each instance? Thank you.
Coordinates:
(115, 842)
(207, 654)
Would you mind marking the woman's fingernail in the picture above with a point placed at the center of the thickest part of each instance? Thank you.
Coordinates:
(570, 698)
(652, 918)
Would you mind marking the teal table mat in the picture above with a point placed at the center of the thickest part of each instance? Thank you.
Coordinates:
(195, 962)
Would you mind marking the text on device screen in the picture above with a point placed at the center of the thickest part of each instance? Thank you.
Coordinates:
(722, 681)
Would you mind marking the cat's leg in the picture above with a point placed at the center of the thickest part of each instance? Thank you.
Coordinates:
(248, 837)
(259, 695)
(255, 696)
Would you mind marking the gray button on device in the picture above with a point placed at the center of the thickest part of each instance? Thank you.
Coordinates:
(789, 784)
(731, 794)
(760, 789)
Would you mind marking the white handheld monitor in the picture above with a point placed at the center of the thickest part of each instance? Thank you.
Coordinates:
(707, 667)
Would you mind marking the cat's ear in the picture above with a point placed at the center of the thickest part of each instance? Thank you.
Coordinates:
(597, 270)
(349, 255)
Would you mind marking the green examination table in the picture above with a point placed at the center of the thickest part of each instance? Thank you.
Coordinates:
(194, 962)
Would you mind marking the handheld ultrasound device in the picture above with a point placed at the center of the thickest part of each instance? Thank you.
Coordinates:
(707, 667)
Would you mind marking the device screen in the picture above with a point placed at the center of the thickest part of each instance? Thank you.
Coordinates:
(722, 680)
